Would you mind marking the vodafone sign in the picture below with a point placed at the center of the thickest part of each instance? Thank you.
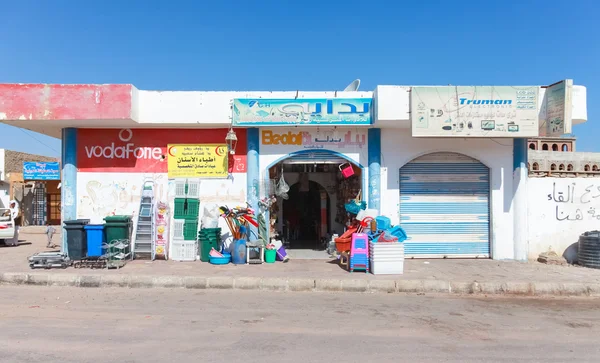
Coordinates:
(123, 150)
(144, 150)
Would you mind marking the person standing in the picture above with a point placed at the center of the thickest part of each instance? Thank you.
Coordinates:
(16, 216)
(50, 230)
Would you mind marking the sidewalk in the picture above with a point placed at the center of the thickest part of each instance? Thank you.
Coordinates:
(420, 276)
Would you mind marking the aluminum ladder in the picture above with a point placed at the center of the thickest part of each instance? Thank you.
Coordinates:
(145, 231)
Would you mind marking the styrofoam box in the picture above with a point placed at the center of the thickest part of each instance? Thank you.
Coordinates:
(387, 268)
(393, 259)
(386, 253)
(183, 250)
(386, 258)
(379, 253)
(386, 245)
(388, 249)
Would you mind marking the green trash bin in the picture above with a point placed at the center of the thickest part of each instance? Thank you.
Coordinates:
(208, 238)
(117, 227)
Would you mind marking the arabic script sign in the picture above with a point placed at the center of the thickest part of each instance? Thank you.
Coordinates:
(315, 140)
(197, 161)
(272, 112)
(481, 111)
(41, 171)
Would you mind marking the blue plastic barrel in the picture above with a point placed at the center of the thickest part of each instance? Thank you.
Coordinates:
(238, 252)
(95, 238)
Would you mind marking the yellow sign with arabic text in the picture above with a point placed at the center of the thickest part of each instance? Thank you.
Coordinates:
(197, 161)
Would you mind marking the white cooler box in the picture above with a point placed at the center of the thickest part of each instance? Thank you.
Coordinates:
(386, 258)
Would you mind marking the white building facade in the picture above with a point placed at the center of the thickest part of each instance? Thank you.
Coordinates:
(458, 186)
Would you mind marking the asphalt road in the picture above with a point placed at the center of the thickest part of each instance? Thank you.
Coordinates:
(51, 325)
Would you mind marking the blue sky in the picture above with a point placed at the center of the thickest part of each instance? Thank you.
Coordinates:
(306, 45)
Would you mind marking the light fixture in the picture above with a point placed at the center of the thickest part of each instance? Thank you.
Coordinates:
(231, 140)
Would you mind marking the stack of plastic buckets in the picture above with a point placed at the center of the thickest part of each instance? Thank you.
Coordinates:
(208, 238)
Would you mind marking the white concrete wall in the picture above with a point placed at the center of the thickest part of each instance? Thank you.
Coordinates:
(3, 165)
(559, 210)
(4, 194)
(103, 194)
(398, 148)
(210, 109)
(4, 186)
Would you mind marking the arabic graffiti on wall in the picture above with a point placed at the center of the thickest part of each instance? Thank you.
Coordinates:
(269, 112)
(576, 201)
(197, 161)
(559, 210)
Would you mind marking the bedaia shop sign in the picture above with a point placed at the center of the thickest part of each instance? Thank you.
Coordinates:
(315, 139)
(278, 112)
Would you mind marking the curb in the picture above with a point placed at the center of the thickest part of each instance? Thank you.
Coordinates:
(308, 284)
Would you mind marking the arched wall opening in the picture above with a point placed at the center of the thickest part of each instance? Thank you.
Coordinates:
(313, 210)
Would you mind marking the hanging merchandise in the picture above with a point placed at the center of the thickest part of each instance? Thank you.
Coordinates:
(346, 189)
(347, 170)
(162, 230)
(282, 188)
(266, 203)
(262, 228)
(356, 205)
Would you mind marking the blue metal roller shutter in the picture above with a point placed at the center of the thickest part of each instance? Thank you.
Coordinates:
(444, 206)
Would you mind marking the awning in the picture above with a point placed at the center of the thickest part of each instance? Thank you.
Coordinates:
(315, 157)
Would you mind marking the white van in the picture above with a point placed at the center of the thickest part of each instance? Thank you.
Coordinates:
(7, 227)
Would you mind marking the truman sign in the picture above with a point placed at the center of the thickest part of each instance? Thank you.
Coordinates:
(287, 112)
(486, 111)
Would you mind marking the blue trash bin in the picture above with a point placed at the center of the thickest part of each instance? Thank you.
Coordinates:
(95, 238)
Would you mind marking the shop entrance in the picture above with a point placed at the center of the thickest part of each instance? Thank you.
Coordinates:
(312, 210)
(306, 213)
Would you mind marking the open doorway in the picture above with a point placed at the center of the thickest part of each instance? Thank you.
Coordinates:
(314, 208)
(306, 213)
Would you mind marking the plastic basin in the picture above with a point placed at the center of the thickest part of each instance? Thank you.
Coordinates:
(220, 260)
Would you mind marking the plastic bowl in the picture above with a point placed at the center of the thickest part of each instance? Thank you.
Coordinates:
(220, 260)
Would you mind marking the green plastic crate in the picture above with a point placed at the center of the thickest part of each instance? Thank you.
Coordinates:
(190, 228)
(210, 231)
(187, 209)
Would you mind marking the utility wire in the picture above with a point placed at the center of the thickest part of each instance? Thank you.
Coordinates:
(38, 140)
